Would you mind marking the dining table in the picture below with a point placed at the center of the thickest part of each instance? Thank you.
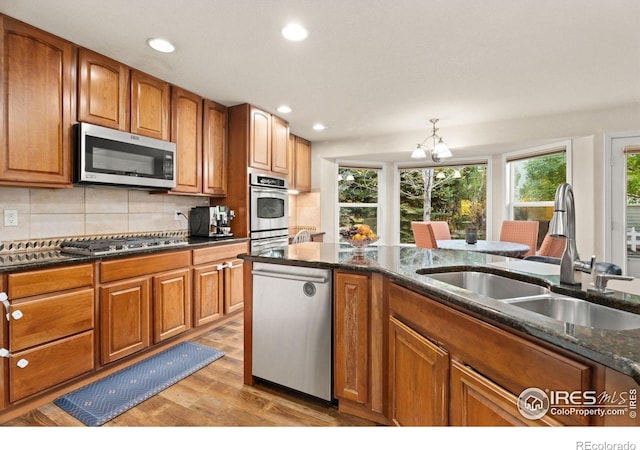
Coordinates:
(502, 248)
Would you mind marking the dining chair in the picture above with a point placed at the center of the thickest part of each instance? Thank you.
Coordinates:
(552, 246)
(301, 236)
(426, 234)
(522, 232)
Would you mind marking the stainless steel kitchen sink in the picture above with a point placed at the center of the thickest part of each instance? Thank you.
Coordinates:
(489, 285)
(540, 300)
(578, 312)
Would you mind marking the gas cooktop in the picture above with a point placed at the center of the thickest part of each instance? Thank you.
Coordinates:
(98, 247)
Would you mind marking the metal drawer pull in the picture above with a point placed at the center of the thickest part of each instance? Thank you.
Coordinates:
(22, 363)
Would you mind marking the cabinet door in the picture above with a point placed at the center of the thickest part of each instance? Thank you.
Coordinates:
(279, 146)
(351, 332)
(214, 149)
(233, 286)
(103, 91)
(303, 165)
(418, 378)
(186, 132)
(150, 103)
(36, 106)
(124, 318)
(291, 152)
(208, 294)
(260, 139)
(477, 401)
(171, 304)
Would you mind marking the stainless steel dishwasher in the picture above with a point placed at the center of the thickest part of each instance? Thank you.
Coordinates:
(292, 327)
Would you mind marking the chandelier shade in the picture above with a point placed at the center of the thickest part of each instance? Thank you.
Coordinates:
(439, 150)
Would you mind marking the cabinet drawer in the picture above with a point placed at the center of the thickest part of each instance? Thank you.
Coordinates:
(50, 364)
(119, 269)
(50, 318)
(507, 359)
(218, 252)
(38, 282)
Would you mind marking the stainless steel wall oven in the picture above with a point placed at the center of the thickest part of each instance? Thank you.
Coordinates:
(269, 220)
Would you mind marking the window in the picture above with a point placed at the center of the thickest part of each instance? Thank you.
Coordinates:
(455, 194)
(533, 180)
(358, 195)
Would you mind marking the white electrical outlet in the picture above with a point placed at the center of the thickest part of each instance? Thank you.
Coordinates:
(176, 215)
(10, 217)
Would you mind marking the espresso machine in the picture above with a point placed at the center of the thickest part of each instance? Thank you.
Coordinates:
(211, 221)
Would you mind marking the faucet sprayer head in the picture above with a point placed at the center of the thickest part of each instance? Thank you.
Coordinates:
(558, 224)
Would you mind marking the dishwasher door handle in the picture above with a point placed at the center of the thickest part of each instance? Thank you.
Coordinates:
(290, 276)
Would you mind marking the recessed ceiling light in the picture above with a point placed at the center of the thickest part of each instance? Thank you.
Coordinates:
(284, 109)
(319, 127)
(295, 32)
(161, 45)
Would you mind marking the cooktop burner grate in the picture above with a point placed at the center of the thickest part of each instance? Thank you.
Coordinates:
(97, 247)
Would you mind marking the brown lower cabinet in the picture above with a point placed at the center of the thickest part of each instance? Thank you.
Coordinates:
(359, 337)
(218, 282)
(418, 378)
(49, 331)
(449, 368)
(143, 299)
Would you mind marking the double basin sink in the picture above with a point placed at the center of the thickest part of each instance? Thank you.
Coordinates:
(540, 300)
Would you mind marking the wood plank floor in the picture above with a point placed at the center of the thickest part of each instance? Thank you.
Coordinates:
(213, 396)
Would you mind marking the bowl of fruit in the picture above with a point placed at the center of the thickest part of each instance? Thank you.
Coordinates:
(358, 236)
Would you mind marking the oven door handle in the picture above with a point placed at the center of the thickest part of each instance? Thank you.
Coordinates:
(269, 190)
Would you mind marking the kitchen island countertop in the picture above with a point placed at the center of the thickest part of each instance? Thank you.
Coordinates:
(617, 349)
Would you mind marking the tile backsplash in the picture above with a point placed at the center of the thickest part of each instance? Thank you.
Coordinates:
(81, 211)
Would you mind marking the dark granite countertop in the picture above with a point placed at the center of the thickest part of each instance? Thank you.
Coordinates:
(38, 259)
(618, 349)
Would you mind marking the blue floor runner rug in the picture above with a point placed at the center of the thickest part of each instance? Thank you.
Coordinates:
(101, 401)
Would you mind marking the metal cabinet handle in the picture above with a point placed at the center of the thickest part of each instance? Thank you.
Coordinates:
(17, 314)
(4, 353)
(22, 363)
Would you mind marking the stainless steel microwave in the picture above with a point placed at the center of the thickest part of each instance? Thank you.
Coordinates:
(105, 156)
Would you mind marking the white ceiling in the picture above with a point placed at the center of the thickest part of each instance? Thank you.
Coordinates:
(371, 67)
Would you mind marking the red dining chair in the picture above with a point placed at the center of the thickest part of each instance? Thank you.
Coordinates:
(552, 246)
(426, 234)
(522, 232)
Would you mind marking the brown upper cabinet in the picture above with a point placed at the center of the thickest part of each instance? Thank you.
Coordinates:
(186, 132)
(301, 169)
(113, 95)
(150, 99)
(199, 129)
(214, 149)
(268, 139)
(36, 106)
(103, 91)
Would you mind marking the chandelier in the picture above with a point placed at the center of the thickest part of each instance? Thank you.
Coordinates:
(439, 150)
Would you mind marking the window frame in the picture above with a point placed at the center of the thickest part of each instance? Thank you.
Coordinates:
(530, 153)
(379, 205)
(449, 163)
